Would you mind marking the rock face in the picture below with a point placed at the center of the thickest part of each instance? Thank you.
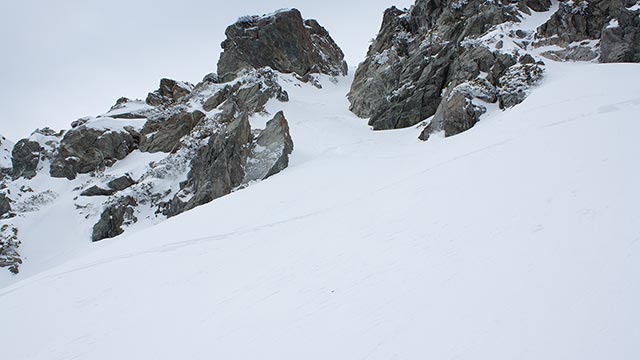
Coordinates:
(25, 158)
(422, 53)
(612, 24)
(164, 135)
(270, 151)
(85, 149)
(113, 217)
(283, 41)
(5, 205)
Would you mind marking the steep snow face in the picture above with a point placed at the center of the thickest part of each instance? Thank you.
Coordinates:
(5, 152)
(516, 239)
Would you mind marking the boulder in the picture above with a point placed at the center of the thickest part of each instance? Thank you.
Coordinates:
(85, 149)
(113, 186)
(458, 112)
(165, 135)
(270, 151)
(283, 41)
(113, 218)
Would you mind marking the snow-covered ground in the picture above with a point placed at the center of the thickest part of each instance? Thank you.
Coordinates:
(515, 240)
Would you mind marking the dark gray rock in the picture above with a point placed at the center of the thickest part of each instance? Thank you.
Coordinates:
(25, 158)
(282, 41)
(97, 191)
(270, 151)
(113, 218)
(84, 149)
(5, 205)
(419, 53)
(579, 20)
(123, 182)
(620, 41)
(9, 244)
(170, 91)
(539, 5)
(458, 112)
(165, 135)
(113, 186)
(217, 168)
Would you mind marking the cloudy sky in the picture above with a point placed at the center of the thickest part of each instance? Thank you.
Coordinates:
(64, 59)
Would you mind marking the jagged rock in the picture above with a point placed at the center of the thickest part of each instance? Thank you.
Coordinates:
(169, 91)
(113, 218)
(121, 183)
(539, 5)
(270, 151)
(579, 20)
(9, 244)
(5, 205)
(96, 191)
(420, 52)
(25, 158)
(620, 40)
(216, 169)
(165, 135)
(84, 149)
(457, 111)
(515, 84)
(282, 41)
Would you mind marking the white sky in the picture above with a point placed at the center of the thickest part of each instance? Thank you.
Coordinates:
(62, 60)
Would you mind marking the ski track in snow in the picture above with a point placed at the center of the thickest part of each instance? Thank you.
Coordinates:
(514, 240)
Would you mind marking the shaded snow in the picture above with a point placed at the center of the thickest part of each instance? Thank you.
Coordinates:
(514, 240)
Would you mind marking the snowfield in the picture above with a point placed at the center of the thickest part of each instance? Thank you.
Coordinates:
(518, 239)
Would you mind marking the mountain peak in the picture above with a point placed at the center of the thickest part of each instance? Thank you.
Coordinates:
(283, 41)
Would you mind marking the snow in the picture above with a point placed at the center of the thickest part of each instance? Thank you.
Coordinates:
(108, 123)
(514, 240)
(613, 24)
(635, 7)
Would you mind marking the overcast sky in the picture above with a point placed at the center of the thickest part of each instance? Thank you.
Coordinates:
(64, 59)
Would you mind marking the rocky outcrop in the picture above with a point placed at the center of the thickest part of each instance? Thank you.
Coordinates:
(9, 244)
(86, 149)
(620, 40)
(25, 158)
(113, 186)
(113, 217)
(5, 205)
(422, 54)
(283, 41)
(585, 28)
(217, 168)
(163, 135)
(169, 92)
(270, 151)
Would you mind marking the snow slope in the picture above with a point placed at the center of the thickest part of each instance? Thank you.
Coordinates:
(517, 239)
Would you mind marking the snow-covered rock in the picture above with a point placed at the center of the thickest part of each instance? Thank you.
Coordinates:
(184, 146)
